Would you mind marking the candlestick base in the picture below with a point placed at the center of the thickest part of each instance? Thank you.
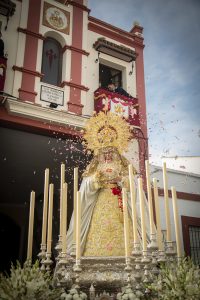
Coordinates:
(48, 262)
(42, 256)
(170, 249)
(154, 263)
(128, 267)
(153, 245)
(136, 250)
(161, 256)
(77, 267)
(145, 259)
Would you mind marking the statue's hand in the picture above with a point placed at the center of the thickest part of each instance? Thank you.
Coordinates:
(125, 182)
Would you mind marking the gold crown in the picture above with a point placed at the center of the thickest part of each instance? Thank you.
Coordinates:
(107, 130)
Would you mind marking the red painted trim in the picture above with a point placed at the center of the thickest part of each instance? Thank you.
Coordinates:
(74, 85)
(140, 91)
(35, 126)
(30, 54)
(75, 49)
(109, 26)
(186, 222)
(24, 91)
(32, 33)
(74, 104)
(81, 6)
(181, 195)
(110, 34)
(129, 40)
(34, 73)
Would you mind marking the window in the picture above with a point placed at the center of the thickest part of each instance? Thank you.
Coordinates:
(107, 74)
(52, 62)
(191, 237)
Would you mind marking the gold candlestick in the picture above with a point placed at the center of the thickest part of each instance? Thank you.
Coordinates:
(30, 227)
(133, 204)
(167, 213)
(157, 207)
(126, 225)
(75, 201)
(50, 215)
(64, 221)
(78, 229)
(62, 180)
(142, 214)
(45, 207)
(176, 222)
(151, 221)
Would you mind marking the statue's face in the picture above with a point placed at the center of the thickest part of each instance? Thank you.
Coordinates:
(109, 164)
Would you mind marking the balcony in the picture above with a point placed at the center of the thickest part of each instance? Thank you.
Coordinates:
(104, 100)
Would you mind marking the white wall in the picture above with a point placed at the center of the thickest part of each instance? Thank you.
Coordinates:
(13, 40)
(183, 182)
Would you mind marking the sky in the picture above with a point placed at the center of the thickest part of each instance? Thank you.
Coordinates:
(172, 68)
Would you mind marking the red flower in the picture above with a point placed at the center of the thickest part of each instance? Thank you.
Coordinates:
(116, 191)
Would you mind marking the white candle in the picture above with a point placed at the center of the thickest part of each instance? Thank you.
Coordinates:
(133, 203)
(62, 180)
(75, 200)
(151, 221)
(78, 227)
(45, 207)
(50, 216)
(30, 227)
(176, 222)
(64, 221)
(142, 215)
(126, 225)
(167, 213)
(157, 208)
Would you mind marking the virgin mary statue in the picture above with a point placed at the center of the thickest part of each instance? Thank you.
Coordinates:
(102, 228)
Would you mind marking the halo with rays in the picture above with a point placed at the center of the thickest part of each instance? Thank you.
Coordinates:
(107, 130)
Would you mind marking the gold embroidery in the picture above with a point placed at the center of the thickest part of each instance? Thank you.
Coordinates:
(106, 232)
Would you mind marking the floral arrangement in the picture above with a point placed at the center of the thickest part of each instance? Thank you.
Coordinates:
(28, 283)
(177, 281)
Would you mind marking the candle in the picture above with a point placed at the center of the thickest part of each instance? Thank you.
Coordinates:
(157, 207)
(45, 207)
(75, 200)
(64, 220)
(50, 215)
(167, 214)
(142, 214)
(126, 225)
(62, 180)
(133, 204)
(78, 228)
(151, 222)
(176, 222)
(30, 227)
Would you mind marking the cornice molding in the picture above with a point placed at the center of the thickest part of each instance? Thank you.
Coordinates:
(29, 32)
(31, 72)
(72, 48)
(36, 112)
(74, 85)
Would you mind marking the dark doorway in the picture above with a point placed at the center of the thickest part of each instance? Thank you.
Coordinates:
(10, 242)
(24, 156)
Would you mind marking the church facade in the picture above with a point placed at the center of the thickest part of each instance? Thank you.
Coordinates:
(59, 62)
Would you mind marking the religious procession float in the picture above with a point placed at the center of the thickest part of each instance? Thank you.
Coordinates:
(113, 248)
